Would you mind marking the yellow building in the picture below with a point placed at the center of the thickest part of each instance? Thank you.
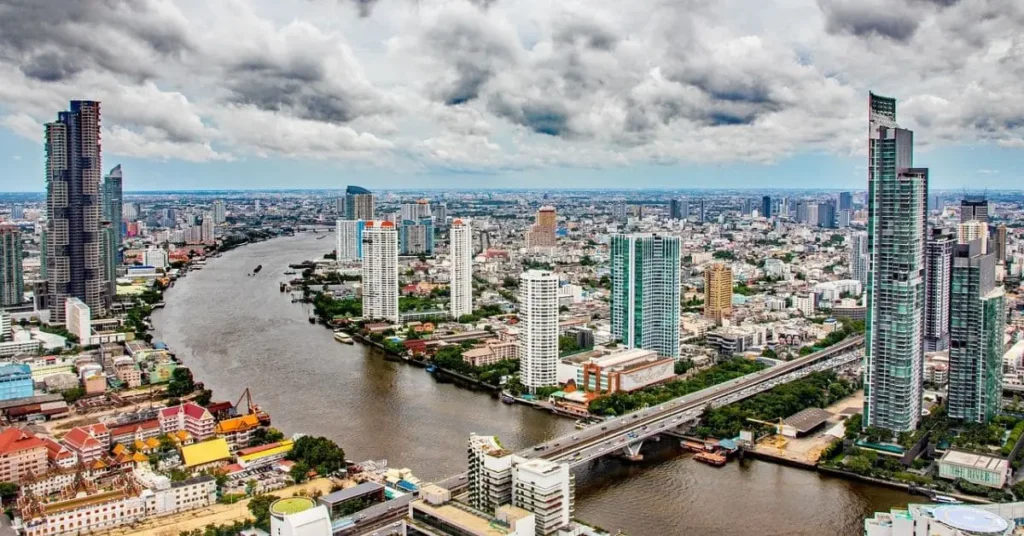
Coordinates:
(208, 454)
(717, 292)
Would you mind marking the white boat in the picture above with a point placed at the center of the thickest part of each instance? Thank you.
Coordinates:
(946, 500)
(343, 337)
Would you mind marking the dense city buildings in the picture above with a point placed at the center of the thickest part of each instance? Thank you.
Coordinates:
(380, 270)
(538, 328)
(941, 244)
(461, 262)
(977, 317)
(73, 240)
(12, 279)
(897, 233)
(717, 292)
(360, 204)
(645, 293)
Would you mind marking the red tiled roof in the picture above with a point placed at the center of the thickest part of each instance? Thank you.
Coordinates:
(196, 411)
(14, 440)
(55, 450)
(80, 439)
(134, 427)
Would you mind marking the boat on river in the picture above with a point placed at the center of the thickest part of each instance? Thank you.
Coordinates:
(257, 269)
(343, 337)
(711, 458)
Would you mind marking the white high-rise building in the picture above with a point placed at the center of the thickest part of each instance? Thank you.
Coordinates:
(538, 328)
(969, 231)
(545, 488)
(219, 212)
(859, 257)
(490, 473)
(461, 258)
(380, 271)
(349, 238)
(207, 230)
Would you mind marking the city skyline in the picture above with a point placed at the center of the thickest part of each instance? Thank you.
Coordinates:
(582, 94)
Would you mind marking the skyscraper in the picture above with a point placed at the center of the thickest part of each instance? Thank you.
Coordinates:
(845, 201)
(219, 212)
(766, 206)
(440, 215)
(380, 271)
(977, 320)
(827, 215)
(748, 206)
(546, 488)
(675, 209)
(859, 257)
(717, 292)
(542, 234)
(359, 204)
(416, 211)
(939, 270)
(113, 186)
(974, 208)
(702, 213)
(1000, 248)
(897, 225)
(461, 247)
(645, 296)
(416, 237)
(349, 239)
(12, 281)
(538, 329)
(972, 230)
(73, 170)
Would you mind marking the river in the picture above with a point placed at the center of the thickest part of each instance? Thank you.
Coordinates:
(236, 331)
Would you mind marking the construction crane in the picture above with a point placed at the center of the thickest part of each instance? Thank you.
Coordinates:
(779, 441)
(263, 416)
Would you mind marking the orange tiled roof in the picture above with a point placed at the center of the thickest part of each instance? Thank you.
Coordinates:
(238, 424)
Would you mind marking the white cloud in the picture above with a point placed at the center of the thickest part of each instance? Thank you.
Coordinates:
(513, 84)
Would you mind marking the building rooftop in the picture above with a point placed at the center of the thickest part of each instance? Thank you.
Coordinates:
(205, 452)
(976, 461)
(806, 420)
(291, 505)
(473, 520)
(343, 495)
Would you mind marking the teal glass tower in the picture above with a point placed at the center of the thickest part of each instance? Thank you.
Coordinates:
(646, 292)
(976, 321)
(897, 233)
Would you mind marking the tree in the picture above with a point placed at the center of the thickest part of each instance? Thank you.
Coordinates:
(259, 507)
(181, 383)
(8, 490)
(299, 472)
(203, 398)
(318, 453)
(567, 345)
(73, 395)
(262, 436)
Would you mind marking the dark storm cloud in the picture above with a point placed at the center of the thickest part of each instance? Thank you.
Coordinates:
(588, 32)
(549, 118)
(298, 86)
(52, 44)
(365, 7)
(889, 19)
(473, 53)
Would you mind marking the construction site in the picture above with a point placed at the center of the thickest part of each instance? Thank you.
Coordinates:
(800, 439)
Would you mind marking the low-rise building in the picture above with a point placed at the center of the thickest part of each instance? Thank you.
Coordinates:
(237, 431)
(88, 443)
(209, 454)
(16, 382)
(190, 417)
(975, 468)
(435, 513)
(82, 510)
(610, 371)
(264, 454)
(946, 520)
(22, 455)
(164, 497)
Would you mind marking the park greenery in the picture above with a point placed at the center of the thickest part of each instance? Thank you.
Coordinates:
(623, 403)
(817, 390)
(181, 383)
(484, 311)
(450, 358)
(326, 307)
(319, 454)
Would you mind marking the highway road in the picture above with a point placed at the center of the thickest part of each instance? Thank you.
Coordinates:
(615, 434)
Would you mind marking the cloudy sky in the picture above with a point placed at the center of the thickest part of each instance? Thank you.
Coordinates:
(521, 93)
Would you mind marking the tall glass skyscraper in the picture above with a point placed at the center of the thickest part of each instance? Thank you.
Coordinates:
(897, 229)
(359, 204)
(940, 266)
(646, 292)
(74, 265)
(12, 281)
(766, 206)
(977, 317)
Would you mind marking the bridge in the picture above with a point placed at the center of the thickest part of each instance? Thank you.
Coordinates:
(625, 435)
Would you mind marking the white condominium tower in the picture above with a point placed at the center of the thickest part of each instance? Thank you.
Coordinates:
(546, 488)
(897, 234)
(538, 328)
(461, 258)
(380, 270)
(348, 234)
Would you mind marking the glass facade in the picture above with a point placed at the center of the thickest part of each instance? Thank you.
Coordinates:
(645, 296)
(15, 382)
(897, 224)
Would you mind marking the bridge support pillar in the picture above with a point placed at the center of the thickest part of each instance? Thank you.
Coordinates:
(632, 451)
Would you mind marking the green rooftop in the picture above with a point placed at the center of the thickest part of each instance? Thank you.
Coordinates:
(291, 505)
